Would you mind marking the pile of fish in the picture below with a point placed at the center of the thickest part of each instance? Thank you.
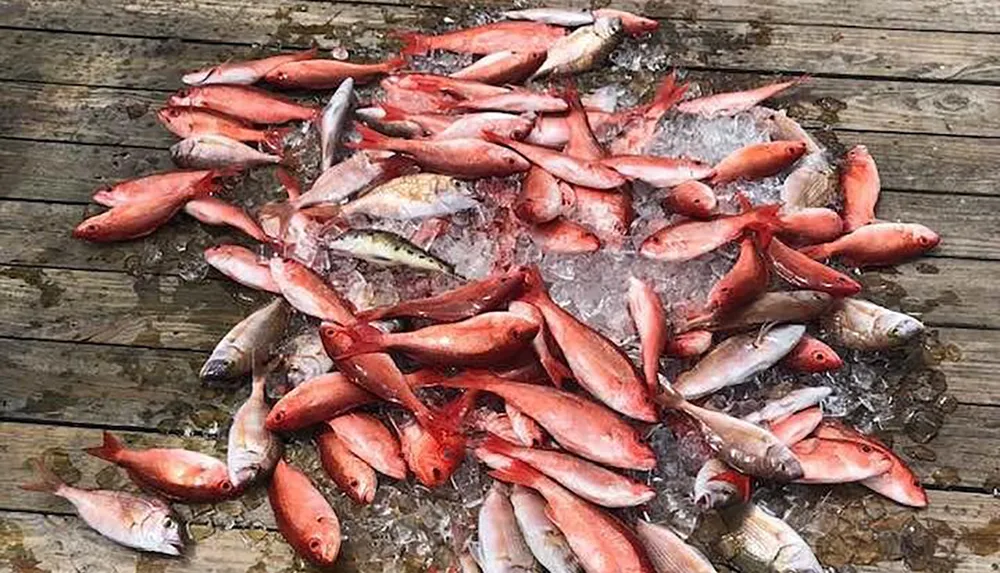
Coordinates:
(491, 367)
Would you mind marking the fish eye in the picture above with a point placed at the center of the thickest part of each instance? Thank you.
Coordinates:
(169, 523)
(315, 544)
(279, 415)
(226, 485)
(866, 448)
(819, 356)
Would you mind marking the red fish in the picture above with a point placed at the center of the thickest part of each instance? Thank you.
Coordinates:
(368, 438)
(812, 355)
(316, 400)
(476, 124)
(641, 123)
(464, 302)
(150, 187)
(327, 74)
(244, 73)
(659, 171)
(528, 431)
(734, 102)
(689, 344)
(361, 171)
(878, 244)
(140, 217)
(468, 158)
(692, 199)
(413, 101)
(650, 319)
(516, 101)
(464, 89)
(745, 281)
(246, 103)
(541, 198)
(177, 474)
(608, 214)
(564, 236)
(554, 368)
(392, 117)
(481, 340)
(565, 167)
(634, 24)
(308, 292)
(434, 458)
(794, 428)
(580, 141)
(502, 68)
(689, 239)
(242, 265)
(304, 517)
(812, 225)
(188, 122)
(899, 484)
(553, 130)
(598, 365)
(838, 461)
(351, 474)
(757, 161)
(486, 39)
(602, 543)
(860, 182)
(586, 479)
(801, 271)
(486, 420)
(212, 211)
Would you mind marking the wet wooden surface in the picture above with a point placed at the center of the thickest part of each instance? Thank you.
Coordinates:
(84, 345)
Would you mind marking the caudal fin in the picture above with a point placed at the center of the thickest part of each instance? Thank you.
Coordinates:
(110, 450)
(370, 139)
(360, 339)
(393, 113)
(414, 44)
(47, 480)
(518, 472)
(668, 94)
(289, 182)
(498, 445)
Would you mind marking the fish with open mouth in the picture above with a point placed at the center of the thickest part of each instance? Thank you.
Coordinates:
(251, 338)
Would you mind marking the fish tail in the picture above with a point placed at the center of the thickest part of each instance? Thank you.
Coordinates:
(103, 197)
(48, 481)
(557, 371)
(289, 182)
(669, 397)
(364, 339)
(520, 473)
(668, 94)
(764, 220)
(817, 252)
(498, 445)
(110, 450)
(394, 63)
(370, 139)
(414, 44)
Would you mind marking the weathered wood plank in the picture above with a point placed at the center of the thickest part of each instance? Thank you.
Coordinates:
(965, 449)
(61, 543)
(972, 378)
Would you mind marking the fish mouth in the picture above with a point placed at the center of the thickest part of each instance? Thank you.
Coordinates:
(216, 370)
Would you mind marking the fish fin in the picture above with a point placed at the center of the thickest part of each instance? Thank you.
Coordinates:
(364, 339)
(520, 473)
(289, 182)
(102, 196)
(764, 219)
(393, 113)
(557, 371)
(817, 252)
(498, 445)
(274, 138)
(394, 63)
(764, 329)
(669, 397)
(48, 481)
(110, 450)
(370, 139)
(414, 44)
(668, 94)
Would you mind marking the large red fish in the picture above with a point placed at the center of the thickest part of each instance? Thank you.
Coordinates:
(316, 400)
(598, 364)
(304, 517)
(650, 319)
(327, 74)
(878, 244)
(659, 171)
(368, 438)
(803, 272)
(690, 239)
(812, 224)
(213, 211)
(860, 182)
(758, 160)
(565, 167)
(249, 104)
(188, 122)
(486, 39)
(174, 473)
(839, 461)
(506, 67)
(351, 474)
(149, 187)
(245, 72)
(308, 292)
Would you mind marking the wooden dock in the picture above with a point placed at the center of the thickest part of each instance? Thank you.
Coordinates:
(86, 346)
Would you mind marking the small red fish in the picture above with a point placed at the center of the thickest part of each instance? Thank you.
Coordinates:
(794, 428)
(659, 171)
(242, 265)
(689, 239)
(434, 458)
(212, 211)
(557, 372)
(838, 461)
(580, 141)
(244, 73)
(502, 68)
(877, 244)
(692, 199)
(308, 292)
(569, 169)
(519, 101)
(246, 103)
(150, 187)
(734, 102)
(476, 124)
(801, 271)
(413, 101)
(464, 89)
(745, 281)
(351, 474)
(650, 319)
(468, 158)
(481, 340)
(304, 517)
(316, 400)
(860, 182)
(598, 364)
(174, 473)
(368, 438)
(541, 198)
(608, 214)
(640, 124)
(564, 236)
(552, 131)
(757, 161)
(186, 122)
(634, 24)
(812, 224)
(486, 39)
(812, 355)
(689, 344)
(327, 74)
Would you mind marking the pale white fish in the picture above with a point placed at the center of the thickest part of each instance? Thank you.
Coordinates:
(501, 546)
(332, 120)
(668, 552)
(789, 404)
(759, 542)
(255, 334)
(555, 16)
(416, 196)
(252, 450)
(212, 150)
(864, 325)
(547, 543)
(583, 49)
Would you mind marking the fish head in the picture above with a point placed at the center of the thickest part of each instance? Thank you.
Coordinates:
(872, 457)
(199, 77)
(716, 494)
(187, 97)
(431, 461)
(89, 230)
(323, 544)
(856, 154)
(217, 369)
(795, 558)
(924, 238)
(183, 149)
(162, 532)
(279, 418)
(170, 115)
(897, 327)
(782, 463)
(606, 28)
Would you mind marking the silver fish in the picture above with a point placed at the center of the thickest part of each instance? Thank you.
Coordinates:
(304, 357)
(812, 184)
(555, 16)
(502, 548)
(738, 358)
(864, 325)
(711, 493)
(212, 150)
(331, 121)
(668, 552)
(385, 248)
(136, 521)
(351, 176)
(416, 196)
(252, 451)
(583, 49)
(375, 117)
(233, 355)
(789, 404)
(783, 306)
(547, 543)
(783, 128)
(757, 542)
